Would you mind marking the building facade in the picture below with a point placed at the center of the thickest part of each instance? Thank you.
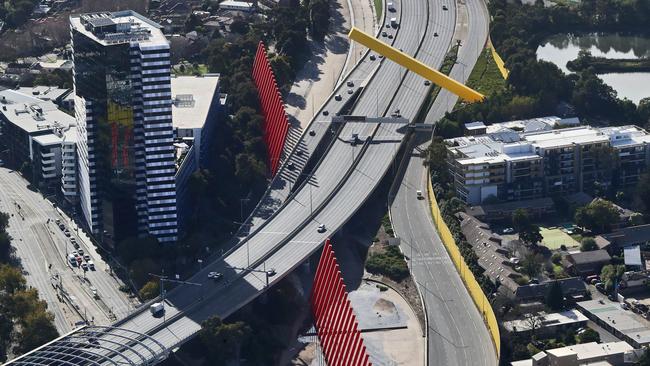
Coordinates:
(123, 107)
(509, 165)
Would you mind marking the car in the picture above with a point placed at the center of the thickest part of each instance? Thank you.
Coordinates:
(291, 165)
(75, 245)
(350, 91)
(312, 133)
(271, 272)
(91, 265)
(86, 257)
(381, 56)
(435, 34)
(62, 227)
(94, 291)
(73, 240)
(215, 275)
(508, 230)
(321, 228)
(387, 25)
(338, 97)
(66, 232)
(373, 57)
(350, 84)
(419, 195)
(625, 306)
(390, 36)
(72, 260)
(390, 7)
(326, 113)
(74, 254)
(427, 82)
(396, 113)
(57, 221)
(80, 251)
(84, 266)
(444, 7)
(384, 34)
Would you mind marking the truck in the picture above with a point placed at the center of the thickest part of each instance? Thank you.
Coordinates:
(393, 22)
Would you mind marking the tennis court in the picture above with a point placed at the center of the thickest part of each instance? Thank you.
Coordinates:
(554, 238)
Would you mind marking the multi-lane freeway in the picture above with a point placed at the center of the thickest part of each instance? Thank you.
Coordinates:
(282, 232)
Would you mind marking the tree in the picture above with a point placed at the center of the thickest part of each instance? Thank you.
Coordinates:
(36, 329)
(589, 335)
(531, 264)
(223, 340)
(643, 192)
(588, 244)
(436, 160)
(597, 216)
(554, 298)
(150, 290)
(531, 235)
(11, 280)
(520, 219)
(611, 274)
(533, 322)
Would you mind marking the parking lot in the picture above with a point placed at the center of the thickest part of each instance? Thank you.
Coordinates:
(74, 295)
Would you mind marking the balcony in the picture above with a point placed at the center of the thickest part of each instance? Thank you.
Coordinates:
(47, 168)
(48, 176)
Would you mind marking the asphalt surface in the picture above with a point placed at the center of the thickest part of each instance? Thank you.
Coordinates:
(456, 334)
(282, 232)
(41, 247)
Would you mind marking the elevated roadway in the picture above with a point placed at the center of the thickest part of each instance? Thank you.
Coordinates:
(282, 232)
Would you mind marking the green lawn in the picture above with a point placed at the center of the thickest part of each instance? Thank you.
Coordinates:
(379, 7)
(554, 238)
(189, 69)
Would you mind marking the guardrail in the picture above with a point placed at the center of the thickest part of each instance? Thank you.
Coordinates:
(475, 291)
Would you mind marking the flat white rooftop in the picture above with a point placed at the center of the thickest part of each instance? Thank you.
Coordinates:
(118, 27)
(504, 143)
(32, 114)
(192, 97)
(546, 320)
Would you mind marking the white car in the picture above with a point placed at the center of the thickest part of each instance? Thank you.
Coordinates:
(91, 265)
(215, 275)
(321, 228)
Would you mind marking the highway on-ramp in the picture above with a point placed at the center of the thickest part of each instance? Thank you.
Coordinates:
(456, 334)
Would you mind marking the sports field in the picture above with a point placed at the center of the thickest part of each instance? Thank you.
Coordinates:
(554, 238)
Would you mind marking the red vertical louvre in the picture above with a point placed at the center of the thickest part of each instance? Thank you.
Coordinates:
(275, 133)
(334, 317)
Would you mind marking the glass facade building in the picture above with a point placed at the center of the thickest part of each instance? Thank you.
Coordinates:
(125, 143)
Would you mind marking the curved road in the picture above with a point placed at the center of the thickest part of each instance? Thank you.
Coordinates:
(456, 332)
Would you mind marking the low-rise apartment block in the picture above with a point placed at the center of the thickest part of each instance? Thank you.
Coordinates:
(508, 164)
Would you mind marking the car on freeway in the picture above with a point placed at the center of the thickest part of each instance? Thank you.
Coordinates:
(373, 57)
(338, 97)
(444, 7)
(321, 228)
(94, 291)
(354, 139)
(350, 91)
(390, 36)
(66, 232)
(325, 113)
(91, 265)
(80, 251)
(419, 195)
(72, 260)
(84, 266)
(350, 83)
(427, 82)
(57, 221)
(384, 34)
(62, 227)
(435, 34)
(86, 257)
(215, 275)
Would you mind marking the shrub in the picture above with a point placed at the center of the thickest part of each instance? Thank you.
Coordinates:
(390, 263)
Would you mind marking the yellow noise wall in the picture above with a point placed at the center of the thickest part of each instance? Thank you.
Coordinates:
(499, 62)
(475, 291)
(416, 66)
